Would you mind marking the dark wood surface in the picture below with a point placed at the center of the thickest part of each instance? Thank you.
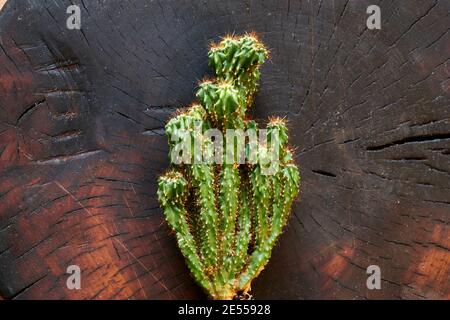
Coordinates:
(82, 143)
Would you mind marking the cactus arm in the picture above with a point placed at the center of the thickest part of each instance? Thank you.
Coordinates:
(288, 180)
(224, 103)
(238, 60)
(291, 189)
(261, 199)
(228, 199)
(262, 252)
(171, 194)
(175, 217)
(203, 180)
(244, 234)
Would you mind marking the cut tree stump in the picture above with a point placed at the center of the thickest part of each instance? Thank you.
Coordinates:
(82, 115)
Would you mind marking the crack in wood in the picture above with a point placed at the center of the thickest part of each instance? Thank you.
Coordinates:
(414, 139)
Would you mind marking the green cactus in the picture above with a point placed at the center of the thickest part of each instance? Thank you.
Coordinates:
(228, 215)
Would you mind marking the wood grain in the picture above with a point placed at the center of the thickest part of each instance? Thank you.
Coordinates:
(82, 143)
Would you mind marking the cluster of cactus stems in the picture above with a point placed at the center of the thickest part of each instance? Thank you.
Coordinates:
(228, 216)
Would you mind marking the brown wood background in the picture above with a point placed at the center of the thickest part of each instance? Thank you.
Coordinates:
(82, 144)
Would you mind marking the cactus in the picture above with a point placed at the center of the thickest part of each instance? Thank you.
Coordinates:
(228, 215)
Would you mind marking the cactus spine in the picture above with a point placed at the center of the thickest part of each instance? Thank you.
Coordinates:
(227, 216)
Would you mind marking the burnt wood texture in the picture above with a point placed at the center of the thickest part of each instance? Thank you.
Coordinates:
(82, 115)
